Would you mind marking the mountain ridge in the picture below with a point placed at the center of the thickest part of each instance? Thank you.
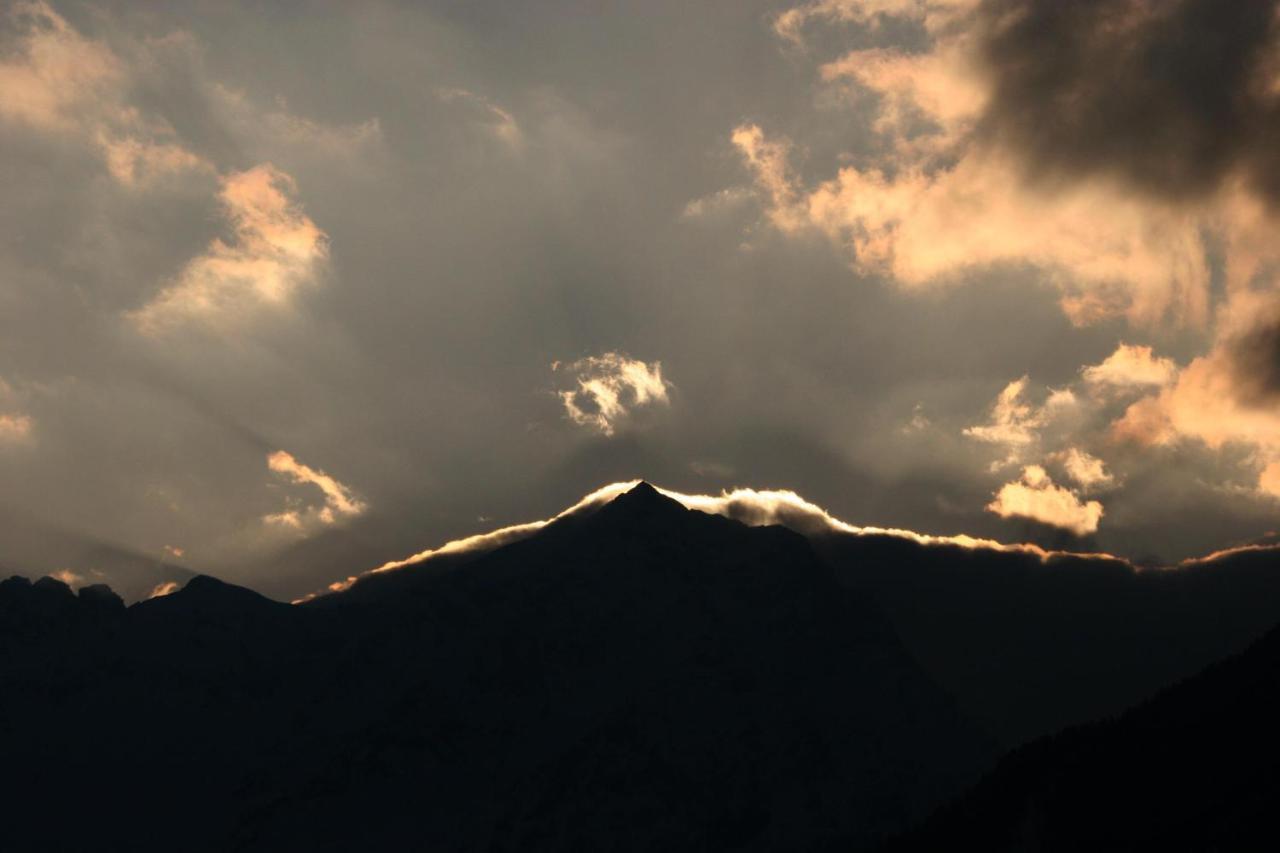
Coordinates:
(693, 667)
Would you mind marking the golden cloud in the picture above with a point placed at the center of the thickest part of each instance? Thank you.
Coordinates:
(276, 250)
(58, 81)
(1035, 496)
(339, 500)
(609, 387)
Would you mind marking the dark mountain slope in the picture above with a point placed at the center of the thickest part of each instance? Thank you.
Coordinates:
(642, 677)
(1029, 646)
(1197, 768)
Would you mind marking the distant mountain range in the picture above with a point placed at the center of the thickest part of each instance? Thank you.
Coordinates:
(634, 676)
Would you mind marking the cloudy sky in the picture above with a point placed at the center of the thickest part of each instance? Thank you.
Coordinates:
(290, 291)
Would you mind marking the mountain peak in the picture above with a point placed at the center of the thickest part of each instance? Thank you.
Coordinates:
(209, 595)
(641, 507)
(644, 499)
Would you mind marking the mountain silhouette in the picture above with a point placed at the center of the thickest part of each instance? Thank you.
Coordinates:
(638, 677)
(1029, 645)
(1196, 768)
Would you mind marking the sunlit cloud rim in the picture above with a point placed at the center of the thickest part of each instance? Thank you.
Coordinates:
(753, 507)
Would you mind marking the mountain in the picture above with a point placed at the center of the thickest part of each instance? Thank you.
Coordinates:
(1029, 644)
(33, 546)
(638, 677)
(1196, 768)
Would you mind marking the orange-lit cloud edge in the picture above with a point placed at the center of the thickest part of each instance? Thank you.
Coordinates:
(757, 508)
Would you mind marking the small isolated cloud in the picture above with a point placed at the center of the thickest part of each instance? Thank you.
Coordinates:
(1131, 367)
(918, 423)
(1014, 421)
(932, 14)
(162, 589)
(70, 578)
(718, 204)
(500, 122)
(339, 500)
(1086, 470)
(276, 249)
(14, 428)
(1035, 496)
(608, 388)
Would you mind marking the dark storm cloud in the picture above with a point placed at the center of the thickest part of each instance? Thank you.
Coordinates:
(1174, 96)
(1254, 359)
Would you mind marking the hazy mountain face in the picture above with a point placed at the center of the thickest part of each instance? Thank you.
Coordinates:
(643, 677)
(1192, 769)
(1029, 645)
(286, 293)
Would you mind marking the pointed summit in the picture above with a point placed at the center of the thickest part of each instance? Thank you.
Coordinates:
(644, 499)
(642, 506)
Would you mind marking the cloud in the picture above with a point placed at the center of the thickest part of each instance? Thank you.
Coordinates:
(1028, 134)
(933, 14)
(1036, 497)
(70, 578)
(339, 500)
(500, 122)
(717, 204)
(164, 588)
(1015, 422)
(755, 508)
(1224, 398)
(275, 130)
(276, 250)
(1131, 367)
(1086, 470)
(927, 101)
(14, 428)
(57, 81)
(53, 75)
(1125, 89)
(768, 161)
(609, 387)
(1107, 252)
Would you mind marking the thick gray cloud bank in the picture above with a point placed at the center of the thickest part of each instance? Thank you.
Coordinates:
(288, 293)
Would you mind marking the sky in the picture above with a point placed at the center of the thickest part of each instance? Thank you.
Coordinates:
(291, 291)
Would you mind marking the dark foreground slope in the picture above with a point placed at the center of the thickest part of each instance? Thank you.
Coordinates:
(1029, 646)
(641, 678)
(1197, 768)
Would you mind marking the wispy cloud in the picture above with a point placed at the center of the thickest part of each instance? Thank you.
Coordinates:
(1015, 422)
(276, 249)
(500, 121)
(339, 500)
(57, 81)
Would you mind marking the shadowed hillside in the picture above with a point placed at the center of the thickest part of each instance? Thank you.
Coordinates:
(643, 677)
(1197, 768)
(1028, 646)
